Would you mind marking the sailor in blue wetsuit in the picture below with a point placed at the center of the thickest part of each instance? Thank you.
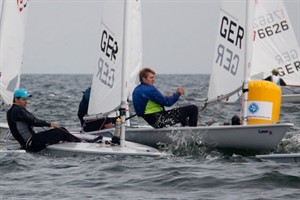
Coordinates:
(149, 103)
(93, 125)
(21, 123)
(275, 78)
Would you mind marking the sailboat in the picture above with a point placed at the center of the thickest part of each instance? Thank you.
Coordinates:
(230, 73)
(119, 40)
(13, 16)
(275, 46)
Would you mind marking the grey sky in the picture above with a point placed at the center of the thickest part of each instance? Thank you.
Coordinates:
(178, 35)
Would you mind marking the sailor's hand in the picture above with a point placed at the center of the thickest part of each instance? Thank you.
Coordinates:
(54, 125)
(180, 91)
(168, 94)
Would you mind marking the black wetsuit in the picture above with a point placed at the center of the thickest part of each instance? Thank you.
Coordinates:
(92, 125)
(280, 81)
(21, 123)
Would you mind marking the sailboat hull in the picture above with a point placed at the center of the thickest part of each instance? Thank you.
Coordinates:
(291, 98)
(283, 158)
(71, 149)
(249, 137)
(74, 149)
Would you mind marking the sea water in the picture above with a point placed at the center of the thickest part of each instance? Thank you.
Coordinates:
(192, 172)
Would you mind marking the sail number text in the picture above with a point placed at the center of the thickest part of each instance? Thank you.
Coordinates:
(109, 47)
(268, 18)
(270, 23)
(289, 62)
(234, 34)
(273, 29)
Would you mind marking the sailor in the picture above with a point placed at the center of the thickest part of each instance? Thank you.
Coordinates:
(21, 123)
(149, 104)
(92, 125)
(235, 120)
(275, 78)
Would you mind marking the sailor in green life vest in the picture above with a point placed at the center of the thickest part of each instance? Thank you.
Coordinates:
(275, 78)
(149, 104)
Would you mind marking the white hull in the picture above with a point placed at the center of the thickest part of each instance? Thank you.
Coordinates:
(291, 98)
(70, 149)
(284, 158)
(11, 151)
(250, 137)
(99, 149)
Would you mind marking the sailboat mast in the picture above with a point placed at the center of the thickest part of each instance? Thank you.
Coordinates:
(125, 61)
(1, 17)
(250, 6)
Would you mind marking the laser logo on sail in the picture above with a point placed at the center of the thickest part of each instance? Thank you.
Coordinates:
(21, 4)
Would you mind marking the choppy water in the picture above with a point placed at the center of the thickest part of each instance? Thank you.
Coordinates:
(193, 173)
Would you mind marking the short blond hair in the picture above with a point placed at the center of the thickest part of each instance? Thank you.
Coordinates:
(275, 71)
(144, 73)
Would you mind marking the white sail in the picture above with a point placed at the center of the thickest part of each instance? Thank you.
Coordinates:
(275, 44)
(228, 63)
(12, 34)
(107, 78)
(106, 85)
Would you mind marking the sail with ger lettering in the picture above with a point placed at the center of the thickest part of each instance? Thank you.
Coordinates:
(228, 63)
(106, 84)
(106, 90)
(275, 44)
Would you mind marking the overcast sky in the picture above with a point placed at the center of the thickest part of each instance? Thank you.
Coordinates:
(178, 35)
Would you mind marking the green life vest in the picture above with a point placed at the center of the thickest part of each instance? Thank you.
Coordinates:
(152, 107)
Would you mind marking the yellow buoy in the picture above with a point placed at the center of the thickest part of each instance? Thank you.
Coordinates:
(264, 100)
